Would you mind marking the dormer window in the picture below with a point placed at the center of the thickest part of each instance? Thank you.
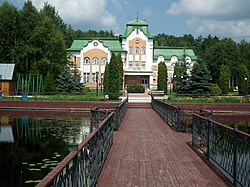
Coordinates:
(137, 30)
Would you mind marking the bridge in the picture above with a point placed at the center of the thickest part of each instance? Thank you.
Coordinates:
(147, 152)
(148, 148)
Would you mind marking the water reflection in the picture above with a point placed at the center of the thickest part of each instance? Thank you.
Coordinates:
(36, 147)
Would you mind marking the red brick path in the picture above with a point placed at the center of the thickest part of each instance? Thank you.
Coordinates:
(147, 152)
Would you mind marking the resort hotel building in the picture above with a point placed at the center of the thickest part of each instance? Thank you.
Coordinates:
(140, 55)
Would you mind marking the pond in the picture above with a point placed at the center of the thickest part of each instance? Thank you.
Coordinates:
(31, 147)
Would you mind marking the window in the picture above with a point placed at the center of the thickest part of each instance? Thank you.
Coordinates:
(137, 50)
(86, 77)
(143, 51)
(137, 66)
(104, 61)
(144, 79)
(95, 61)
(130, 64)
(131, 50)
(94, 80)
(86, 60)
(137, 30)
(132, 77)
(143, 65)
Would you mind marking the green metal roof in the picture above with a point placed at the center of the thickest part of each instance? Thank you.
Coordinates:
(168, 52)
(113, 44)
(131, 26)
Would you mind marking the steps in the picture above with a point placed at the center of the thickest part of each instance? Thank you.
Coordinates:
(140, 105)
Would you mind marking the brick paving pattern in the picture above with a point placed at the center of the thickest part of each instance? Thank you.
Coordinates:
(147, 152)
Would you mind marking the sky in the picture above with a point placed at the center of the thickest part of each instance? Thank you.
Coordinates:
(222, 18)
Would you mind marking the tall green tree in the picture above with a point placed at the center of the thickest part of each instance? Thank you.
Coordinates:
(184, 84)
(224, 77)
(9, 17)
(64, 80)
(200, 79)
(77, 86)
(29, 18)
(114, 79)
(177, 76)
(49, 51)
(243, 81)
(162, 77)
(51, 12)
(120, 69)
(106, 79)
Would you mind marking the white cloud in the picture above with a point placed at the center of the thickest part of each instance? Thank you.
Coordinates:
(226, 18)
(79, 12)
(120, 4)
(234, 29)
(217, 9)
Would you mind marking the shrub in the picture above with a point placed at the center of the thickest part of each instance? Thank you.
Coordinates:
(215, 90)
(132, 88)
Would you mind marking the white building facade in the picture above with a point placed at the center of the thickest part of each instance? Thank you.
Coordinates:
(139, 52)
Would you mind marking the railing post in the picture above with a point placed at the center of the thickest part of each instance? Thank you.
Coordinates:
(208, 138)
(235, 155)
(94, 118)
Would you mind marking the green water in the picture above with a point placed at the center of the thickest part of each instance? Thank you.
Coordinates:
(39, 145)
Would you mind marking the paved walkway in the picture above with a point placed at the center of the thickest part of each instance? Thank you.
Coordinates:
(147, 152)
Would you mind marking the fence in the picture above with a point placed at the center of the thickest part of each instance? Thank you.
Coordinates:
(179, 119)
(83, 165)
(226, 148)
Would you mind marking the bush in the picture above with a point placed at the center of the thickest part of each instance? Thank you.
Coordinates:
(215, 90)
(135, 88)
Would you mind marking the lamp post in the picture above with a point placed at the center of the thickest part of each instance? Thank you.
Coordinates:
(97, 73)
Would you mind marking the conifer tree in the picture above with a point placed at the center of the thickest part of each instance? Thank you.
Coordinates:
(243, 79)
(162, 77)
(224, 76)
(77, 86)
(200, 80)
(114, 79)
(64, 80)
(106, 79)
(120, 69)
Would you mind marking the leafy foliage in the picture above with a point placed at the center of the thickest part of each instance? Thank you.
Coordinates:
(224, 77)
(200, 79)
(243, 77)
(215, 90)
(120, 69)
(132, 88)
(106, 79)
(114, 79)
(162, 77)
(69, 81)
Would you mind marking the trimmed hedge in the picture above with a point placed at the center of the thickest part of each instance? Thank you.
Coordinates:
(132, 88)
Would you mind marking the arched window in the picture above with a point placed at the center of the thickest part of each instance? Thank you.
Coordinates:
(95, 61)
(137, 50)
(174, 59)
(143, 50)
(104, 61)
(130, 50)
(86, 60)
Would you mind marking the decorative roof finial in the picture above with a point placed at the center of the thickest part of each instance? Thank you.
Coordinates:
(137, 16)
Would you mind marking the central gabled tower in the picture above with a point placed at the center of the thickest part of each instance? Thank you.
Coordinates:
(138, 43)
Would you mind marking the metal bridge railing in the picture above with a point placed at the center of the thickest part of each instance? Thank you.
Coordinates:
(172, 115)
(81, 168)
(226, 148)
(120, 113)
(83, 165)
